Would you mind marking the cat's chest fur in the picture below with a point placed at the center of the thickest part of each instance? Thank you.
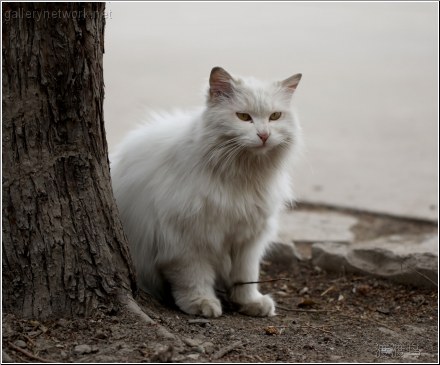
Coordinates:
(218, 207)
(242, 213)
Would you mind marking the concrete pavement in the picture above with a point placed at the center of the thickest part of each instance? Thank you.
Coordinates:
(367, 101)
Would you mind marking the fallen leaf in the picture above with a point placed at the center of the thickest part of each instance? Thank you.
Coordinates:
(306, 302)
(271, 330)
(363, 289)
(34, 323)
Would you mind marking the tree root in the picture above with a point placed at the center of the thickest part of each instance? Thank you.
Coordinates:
(129, 303)
(28, 354)
(222, 352)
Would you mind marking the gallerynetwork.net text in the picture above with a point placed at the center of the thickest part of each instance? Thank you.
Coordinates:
(54, 14)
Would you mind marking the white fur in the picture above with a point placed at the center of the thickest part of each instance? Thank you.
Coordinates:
(199, 196)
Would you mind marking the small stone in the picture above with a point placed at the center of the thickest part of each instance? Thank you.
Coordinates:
(193, 356)
(20, 343)
(335, 357)
(383, 310)
(388, 332)
(34, 333)
(62, 322)
(101, 334)
(304, 291)
(199, 349)
(125, 352)
(209, 347)
(193, 342)
(340, 298)
(82, 349)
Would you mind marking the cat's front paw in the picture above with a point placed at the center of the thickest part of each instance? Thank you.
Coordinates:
(264, 306)
(206, 307)
(211, 308)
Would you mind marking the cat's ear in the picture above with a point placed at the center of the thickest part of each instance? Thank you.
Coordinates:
(220, 83)
(292, 82)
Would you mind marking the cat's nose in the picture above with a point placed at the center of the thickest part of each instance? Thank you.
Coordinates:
(263, 136)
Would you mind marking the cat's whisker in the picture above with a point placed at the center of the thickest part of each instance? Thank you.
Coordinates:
(228, 156)
(225, 152)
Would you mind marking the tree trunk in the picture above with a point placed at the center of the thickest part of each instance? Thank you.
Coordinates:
(64, 250)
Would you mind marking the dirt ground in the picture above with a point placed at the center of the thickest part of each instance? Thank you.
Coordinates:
(321, 317)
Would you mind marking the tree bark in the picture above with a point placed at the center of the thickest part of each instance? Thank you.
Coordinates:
(64, 250)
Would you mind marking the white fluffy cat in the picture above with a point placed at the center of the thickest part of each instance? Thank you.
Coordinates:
(199, 193)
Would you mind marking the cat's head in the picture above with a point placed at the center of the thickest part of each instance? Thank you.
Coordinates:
(256, 115)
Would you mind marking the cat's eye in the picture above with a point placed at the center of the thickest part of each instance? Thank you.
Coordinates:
(275, 116)
(244, 117)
